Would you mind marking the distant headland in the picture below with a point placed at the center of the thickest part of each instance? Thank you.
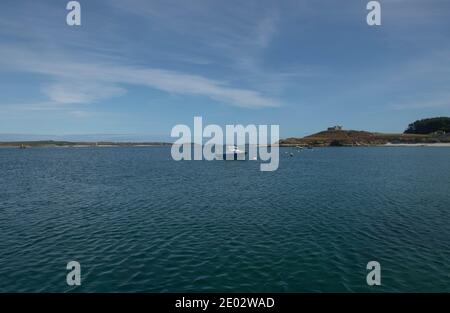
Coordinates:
(73, 144)
(425, 131)
(430, 131)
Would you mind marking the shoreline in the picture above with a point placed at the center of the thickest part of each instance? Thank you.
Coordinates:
(77, 144)
(411, 145)
(80, 146)
(406, 145)
(434, 144)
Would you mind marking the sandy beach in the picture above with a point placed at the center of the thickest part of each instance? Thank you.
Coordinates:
(440, 144)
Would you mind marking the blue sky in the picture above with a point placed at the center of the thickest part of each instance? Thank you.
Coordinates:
(136, 68)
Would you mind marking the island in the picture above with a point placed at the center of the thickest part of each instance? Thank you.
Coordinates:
(422, 132)
(52, 143)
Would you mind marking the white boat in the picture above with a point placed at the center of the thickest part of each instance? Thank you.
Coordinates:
(233, 153)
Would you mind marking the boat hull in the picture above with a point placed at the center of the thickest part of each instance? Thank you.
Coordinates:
(234, 156)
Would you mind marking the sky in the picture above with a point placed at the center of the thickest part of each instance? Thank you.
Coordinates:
(136, 68)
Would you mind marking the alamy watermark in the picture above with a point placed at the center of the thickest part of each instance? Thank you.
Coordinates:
(374, 15)
(73, 17)
(73, 278)
(373, 278)
(251, 142)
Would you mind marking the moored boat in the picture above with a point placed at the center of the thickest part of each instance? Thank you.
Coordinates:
(233, 153)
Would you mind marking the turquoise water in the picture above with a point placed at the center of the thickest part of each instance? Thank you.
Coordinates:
(138, 221)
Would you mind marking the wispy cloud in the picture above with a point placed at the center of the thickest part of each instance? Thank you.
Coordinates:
(70, 92)
(89, 66)
(233, 35)
(265, 31)
(83, 82)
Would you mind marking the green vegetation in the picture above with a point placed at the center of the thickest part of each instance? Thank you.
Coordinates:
(429, 125)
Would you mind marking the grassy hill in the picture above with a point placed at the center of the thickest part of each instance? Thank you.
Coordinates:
(360, 138)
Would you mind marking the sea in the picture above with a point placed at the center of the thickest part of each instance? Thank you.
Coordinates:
(138, 221)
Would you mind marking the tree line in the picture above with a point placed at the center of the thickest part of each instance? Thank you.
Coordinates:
(429, 126)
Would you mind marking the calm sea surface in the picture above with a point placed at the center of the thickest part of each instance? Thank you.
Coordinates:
(138, 221)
